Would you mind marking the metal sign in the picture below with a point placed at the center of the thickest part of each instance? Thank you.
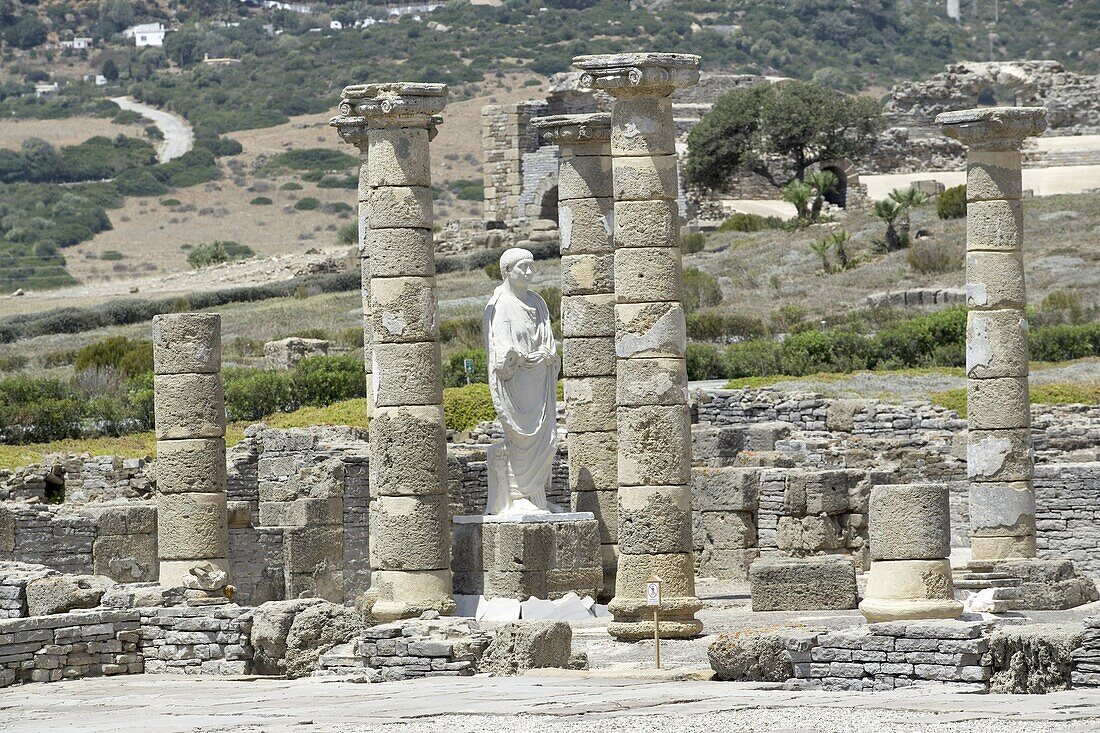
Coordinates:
(653, 593)
(468, 365)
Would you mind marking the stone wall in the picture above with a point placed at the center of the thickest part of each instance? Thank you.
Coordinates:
(70, 645)
(1067, 513)
(506, 134)
(79, 478)
(196, 640)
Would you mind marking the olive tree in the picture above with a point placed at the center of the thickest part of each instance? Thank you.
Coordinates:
(778, 131)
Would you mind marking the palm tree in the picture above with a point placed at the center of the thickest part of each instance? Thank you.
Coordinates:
(822, 182)
(889, 210)
(838, 240)
(799, 193)
(906, 199)
(822, 248)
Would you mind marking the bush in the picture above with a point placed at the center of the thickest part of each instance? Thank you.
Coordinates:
(710, 326)
(213, 253)
(111, 255)
(139, 182)
(256, 394)
(1064, 342)
(701, 290)
(290, 186)
(170, 202)
(322, 380)
(930, 257)
(810, 352)
(750, 223)
(308, 203)
(693, 242)
(348, 233)
(323, 159)
(951, 204)
(129, 358)
(464, 331)
(351, 337)
(454, 370)
(37, 410)
(465, 190)
(492, 271)
(704, 361)
(261, 201)
(757, 358)
(464, 407)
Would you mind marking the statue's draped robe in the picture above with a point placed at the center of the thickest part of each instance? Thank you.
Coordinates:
(524, 394)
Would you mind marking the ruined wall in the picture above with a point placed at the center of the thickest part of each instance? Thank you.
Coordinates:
(1067, 516)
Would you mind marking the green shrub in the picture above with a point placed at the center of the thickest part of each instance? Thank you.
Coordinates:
(468, 190)
(757, 358)
(466, 406)
(810, 352)
(119, 353)
(464, 331)
(307, 203)
(324, 159)
(693, 242)
(711, 326)
(552, 296)
(12, 362)
(290, 186)
(252, 394)
(338, 207)
(261, 201)
(351, 337)
(454, 371)
(951, 204)
(139, 182)
(704, 361)
(1063, 342)
(170, 202)
(701, 290)
(110, 255)
(492, 271)
(38, 410)
(192, 168)
(348, 233)
(322, 380)
(740, 222)
(348, 182)
(213, 253)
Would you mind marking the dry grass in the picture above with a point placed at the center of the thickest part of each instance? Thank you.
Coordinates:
(63, 132)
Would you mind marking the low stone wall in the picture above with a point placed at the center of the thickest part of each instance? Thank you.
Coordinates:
(1086, 658)
(196, 640)
(888, 656)
(80, 477)
(116, 540)
(14, 577)
(1067, 513)
(70, 645)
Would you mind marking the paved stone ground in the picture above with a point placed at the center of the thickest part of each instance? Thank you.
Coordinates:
(157, 704)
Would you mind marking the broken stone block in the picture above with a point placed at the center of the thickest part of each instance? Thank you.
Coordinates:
(802, 584)
(63, 593)
(524, 645)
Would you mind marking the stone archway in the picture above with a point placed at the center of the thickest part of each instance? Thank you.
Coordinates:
(848, 176)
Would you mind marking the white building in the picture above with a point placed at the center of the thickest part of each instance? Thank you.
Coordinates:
(78, 44)
(335, 25)
(147, 34)
(41, 90)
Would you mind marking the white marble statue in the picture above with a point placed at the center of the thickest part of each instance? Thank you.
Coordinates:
(523, 373)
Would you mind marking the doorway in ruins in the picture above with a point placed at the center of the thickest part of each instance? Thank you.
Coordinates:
(837, 196)
(548, 205)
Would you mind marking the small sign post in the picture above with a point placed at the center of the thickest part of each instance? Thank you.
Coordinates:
(468, 367)
(653, 598)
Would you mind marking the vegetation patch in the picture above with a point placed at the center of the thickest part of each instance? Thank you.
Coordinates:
(310, 159)
(214, 253)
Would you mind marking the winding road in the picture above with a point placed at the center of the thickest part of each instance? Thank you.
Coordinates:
(179, 138)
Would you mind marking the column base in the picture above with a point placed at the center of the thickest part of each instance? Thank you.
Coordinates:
(399, 594)
(633, 619)
(914, 609)
(172, 572)
(988, 550)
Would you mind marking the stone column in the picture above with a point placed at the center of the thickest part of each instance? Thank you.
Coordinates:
(999, 455)
(189, 410)
(409, 513)
(653, 424)
(585, 215)
(353, 130)
(910, 576)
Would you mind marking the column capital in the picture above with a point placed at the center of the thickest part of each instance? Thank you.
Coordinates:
(394, 104)
(994, 128)
(638, 74)
(567, 130)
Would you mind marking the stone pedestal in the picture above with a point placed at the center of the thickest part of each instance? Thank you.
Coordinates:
(652, 420)
(585, 215)
(409, 514)
(910, 575)
(523, 556)
(189, 407)
(999, 455)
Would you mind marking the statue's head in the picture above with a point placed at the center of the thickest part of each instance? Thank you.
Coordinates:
(517, 265)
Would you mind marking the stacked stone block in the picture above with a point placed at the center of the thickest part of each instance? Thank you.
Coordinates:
(1086, 658)
(67, 646)
(196, 640)
(802, 583)
(409, 517)
(302, 493)
(724, 506)
(888, 656)
(125, 544)
(408, 650)
(14, 577)
(189, 407)
(999, 453)
(910, 574)
(653, 423)
(585, 215)
(506, 136)
(520, 560)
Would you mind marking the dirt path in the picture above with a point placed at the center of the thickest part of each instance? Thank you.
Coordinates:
(179, 138)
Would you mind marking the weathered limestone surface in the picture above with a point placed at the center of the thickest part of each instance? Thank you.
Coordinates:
(910, 575)
(397, 121)
(802, 584)
(585, 218)
(999, 441)
(653, 425)
(192, 519)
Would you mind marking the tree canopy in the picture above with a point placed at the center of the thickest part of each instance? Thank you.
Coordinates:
(778, 131)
